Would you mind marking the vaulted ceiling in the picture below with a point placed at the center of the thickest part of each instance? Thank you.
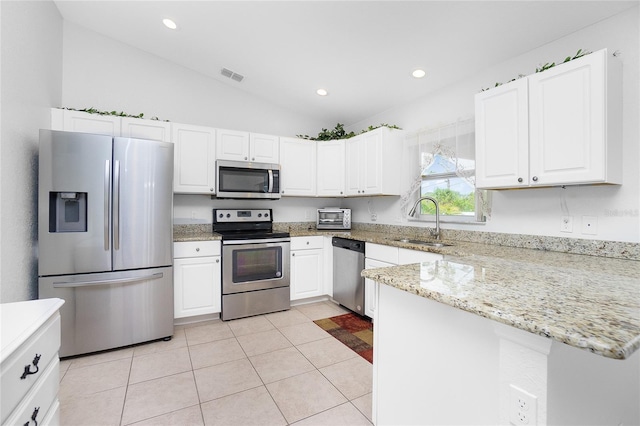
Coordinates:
(361, 52)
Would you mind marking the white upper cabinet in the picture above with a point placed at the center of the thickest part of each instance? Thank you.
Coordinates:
(373, 163)
(232, 145)
(145, 129)
(565, 121)
(298, 167)
(331, 168)
(194, 159)
(264, 148)
(502, 136)
(244, 146)
(78, 121)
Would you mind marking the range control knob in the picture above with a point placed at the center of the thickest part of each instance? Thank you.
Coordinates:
(228, 214)
(220, 215)
(266, 215)
(259, 214)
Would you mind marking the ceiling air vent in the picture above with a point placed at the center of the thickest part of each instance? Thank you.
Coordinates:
(232, 75)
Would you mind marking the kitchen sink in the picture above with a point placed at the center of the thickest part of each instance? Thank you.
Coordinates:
(422, 243)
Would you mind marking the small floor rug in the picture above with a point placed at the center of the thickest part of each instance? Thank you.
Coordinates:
(353, 330)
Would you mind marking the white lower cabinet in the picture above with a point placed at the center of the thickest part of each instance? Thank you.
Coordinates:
(307, 267)
(197, 278)
(381, 256)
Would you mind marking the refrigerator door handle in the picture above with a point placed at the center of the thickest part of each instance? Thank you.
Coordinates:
(155, 276)
(107, 180)
(116, 205)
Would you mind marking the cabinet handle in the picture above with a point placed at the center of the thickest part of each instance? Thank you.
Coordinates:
(340, 192)
(197, 248)
(217, 260)
(293, 254)
(307, 242)
(27, 368)
(211, 189)
(246, 158)
(253, 158)
(535, 178)
(33, 417)
(520, 180)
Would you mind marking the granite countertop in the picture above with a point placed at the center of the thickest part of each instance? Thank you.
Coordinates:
(592, 308)
(587, 301)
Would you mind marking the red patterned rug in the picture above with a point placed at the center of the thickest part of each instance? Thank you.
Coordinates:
(353, 330)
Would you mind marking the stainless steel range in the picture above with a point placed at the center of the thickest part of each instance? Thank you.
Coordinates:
(255, 263)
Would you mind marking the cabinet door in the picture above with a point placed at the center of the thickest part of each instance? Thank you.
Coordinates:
(306, 274)
(197, 286)
(371, 172)
(232, 145)
(76, 121)
(145, 129)
(298, 167)
(264, 148)
(370, 299)
(194, 171)
(354, 163)
(568, 122)
(331, 168)
(502, 136)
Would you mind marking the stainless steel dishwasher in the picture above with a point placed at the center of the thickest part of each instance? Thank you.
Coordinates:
(348, 263)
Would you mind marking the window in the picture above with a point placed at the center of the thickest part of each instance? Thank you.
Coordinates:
(447, 173)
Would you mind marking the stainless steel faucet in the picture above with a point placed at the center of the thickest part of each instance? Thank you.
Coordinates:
(412, 212)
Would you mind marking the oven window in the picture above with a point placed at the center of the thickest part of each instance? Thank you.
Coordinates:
(257, 264)
(243, 180)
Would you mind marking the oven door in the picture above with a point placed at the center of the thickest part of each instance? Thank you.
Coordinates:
(249, 265)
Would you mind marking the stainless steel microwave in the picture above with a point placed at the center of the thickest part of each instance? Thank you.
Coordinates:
(333, 218)
(238, 179)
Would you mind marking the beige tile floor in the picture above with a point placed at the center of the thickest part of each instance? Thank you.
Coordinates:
(274, 369)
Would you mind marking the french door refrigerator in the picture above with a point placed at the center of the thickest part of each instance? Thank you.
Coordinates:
(105, 238)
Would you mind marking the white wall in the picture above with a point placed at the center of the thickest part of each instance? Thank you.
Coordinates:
(109, 75)
(31, 44)
(538, 211)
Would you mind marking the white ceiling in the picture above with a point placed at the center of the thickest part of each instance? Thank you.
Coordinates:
(362, 52)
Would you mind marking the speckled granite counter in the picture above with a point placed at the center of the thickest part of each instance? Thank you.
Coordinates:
(590, 302)
(591, 307)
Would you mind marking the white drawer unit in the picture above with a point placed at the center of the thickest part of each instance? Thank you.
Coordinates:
(304, 243)
(196, 249)
(29, 377)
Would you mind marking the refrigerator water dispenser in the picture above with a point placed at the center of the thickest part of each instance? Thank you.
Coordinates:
(67, 212)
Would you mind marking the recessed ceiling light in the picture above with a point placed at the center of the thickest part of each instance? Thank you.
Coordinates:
(418, 73)
(169, 23)
(322, 92)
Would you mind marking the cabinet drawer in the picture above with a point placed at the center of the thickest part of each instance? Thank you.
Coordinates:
(196, 249)
(302, 243)
(406, 256)
(42, 397)
(45, 342)
(379, 252)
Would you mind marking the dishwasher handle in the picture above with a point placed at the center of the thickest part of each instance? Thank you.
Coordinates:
(347, 244)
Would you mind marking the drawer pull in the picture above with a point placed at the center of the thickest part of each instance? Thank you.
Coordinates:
(33, 417)
(27, 368)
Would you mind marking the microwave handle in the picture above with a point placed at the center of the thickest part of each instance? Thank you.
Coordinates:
(270, 181)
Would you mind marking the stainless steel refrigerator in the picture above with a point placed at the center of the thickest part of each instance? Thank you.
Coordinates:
(105, 231)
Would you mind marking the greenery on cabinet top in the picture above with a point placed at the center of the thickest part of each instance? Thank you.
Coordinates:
(339, 133)
(92, 110)
(579, 54)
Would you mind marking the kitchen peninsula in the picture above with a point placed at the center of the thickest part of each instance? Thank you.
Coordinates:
(458, 338)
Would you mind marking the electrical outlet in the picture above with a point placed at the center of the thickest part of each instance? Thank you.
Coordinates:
(589, 225)
(566, 225)
(522, 407)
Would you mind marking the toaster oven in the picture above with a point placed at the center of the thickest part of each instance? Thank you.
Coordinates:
(333, 218)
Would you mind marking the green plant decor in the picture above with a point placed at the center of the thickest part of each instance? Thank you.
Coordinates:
(579, 54)
(339, 133)
(113, 113)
